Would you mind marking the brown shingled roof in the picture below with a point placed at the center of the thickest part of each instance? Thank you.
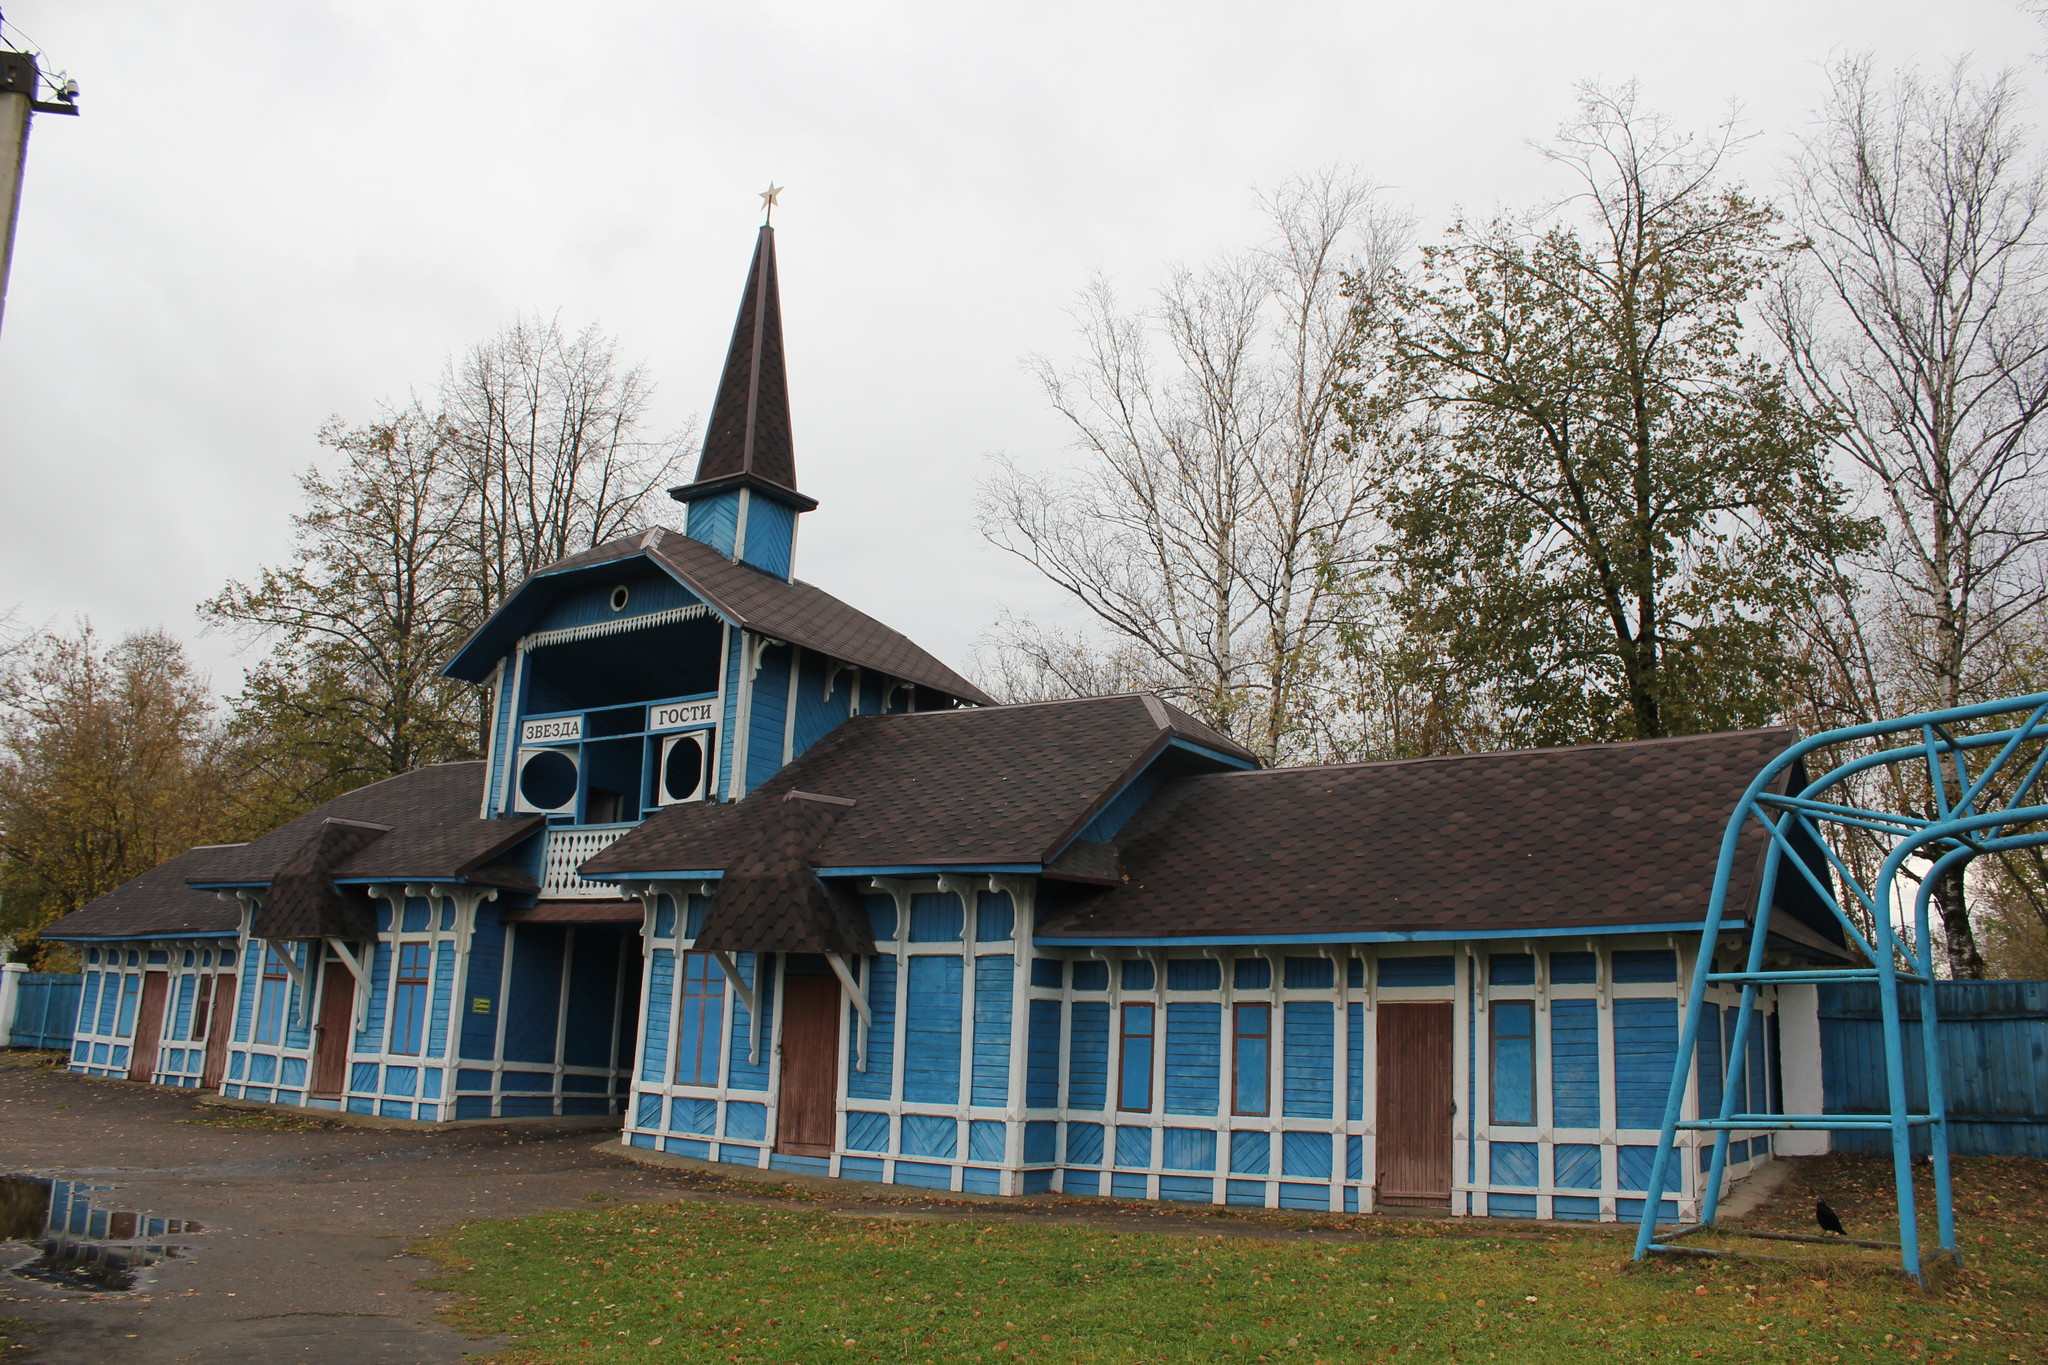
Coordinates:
(986, 785)
(1597, 836)
(156, 904)
(435, 831)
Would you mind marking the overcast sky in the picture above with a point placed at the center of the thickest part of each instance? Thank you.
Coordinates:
(270, 213)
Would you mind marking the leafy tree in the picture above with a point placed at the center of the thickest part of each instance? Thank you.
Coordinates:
(111, 760)
(360, 622)
(1610, 504)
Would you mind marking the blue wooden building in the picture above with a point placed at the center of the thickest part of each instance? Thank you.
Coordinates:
(759, 875)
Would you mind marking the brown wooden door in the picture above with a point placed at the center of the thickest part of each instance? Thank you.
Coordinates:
(220, 1022)
(808, 1110)
(149, 1026)
(330, 1034)
(1413, 1124)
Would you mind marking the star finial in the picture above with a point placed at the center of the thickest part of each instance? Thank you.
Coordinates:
(769, 198)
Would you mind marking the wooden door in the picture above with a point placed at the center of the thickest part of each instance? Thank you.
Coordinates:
(808, 1110)
(220, 1022)
(330, 1034)
(149, 1026)
(1413, 1124)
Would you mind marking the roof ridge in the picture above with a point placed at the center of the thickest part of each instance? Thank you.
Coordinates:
(1609, 744)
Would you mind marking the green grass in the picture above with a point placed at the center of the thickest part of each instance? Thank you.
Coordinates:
(706, 1281)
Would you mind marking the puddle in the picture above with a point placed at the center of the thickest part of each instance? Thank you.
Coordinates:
(82, 1242)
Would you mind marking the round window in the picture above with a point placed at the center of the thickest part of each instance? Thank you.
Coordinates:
(619, 597)
(548, 780)
(682, 769)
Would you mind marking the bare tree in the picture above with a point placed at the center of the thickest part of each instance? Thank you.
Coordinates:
(1918, 317)
(548, 429)
(1218, 502)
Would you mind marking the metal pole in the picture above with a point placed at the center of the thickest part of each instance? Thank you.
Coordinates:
(14, 119)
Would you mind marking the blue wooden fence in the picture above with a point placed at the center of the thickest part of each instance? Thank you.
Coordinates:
(45, 1010)
(1994, 1045)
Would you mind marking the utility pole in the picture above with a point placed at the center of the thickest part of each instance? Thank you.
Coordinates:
(21, 88)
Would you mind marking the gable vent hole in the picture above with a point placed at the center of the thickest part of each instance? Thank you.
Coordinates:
(620, 597)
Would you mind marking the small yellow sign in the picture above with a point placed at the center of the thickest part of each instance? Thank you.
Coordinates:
(480, 1004)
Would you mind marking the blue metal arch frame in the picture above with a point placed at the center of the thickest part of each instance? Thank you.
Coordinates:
(1958, 832)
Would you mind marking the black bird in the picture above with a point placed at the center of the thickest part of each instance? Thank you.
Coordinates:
(1828, 1219)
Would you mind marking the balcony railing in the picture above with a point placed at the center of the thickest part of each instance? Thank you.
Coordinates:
(568, 846)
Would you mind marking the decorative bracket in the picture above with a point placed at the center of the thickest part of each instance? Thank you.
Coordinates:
(747, 998)
(857, 993)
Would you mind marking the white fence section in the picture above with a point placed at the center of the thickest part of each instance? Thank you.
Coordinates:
(568, 846)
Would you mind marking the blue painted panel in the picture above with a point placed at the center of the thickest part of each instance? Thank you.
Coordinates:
(1511, 1205)
(414, 918)
(1354, 1095)
(1645, 1049)
(443, 1002)
(1712, 1061)
(1756, 1069)
(738, 1156)
(771, 535)
(1252, 1059)
(1091, 976)
(1048, 973)
(647, 1112)
(664, 917)
(1193, 974)
(1138, 974)
(370, 1037)
(1081, 1182)
(262, 1067)
(1574, 969)
(690, 1115)
(1084, 1144)
(593, 997)
(1309, 973)
(655, 1014)
(131, 995)
(486, 964)
(398, 1080)
(931, 1031)
(88, 1004)
(1304, 1196)
(1133, 1146)
(1042, 1057)
(1252, 974)
(729, 717)
(587, 1085)
(430, 1083)
(694, 908)
(975, 1180)
(746, 1120)
(817, 713)
(181, 1006)
(1305, 1154)
(526, 1080)
(1040, 1138)
(472, 1080)
(1354, 1158)
(1575, 1064)
(769, 716)
(929, 1135)
(292, 1071)
(1511, 969)
(935, 917)
(1088, 1054)
(1644, 966)
(715, 520)
(1248, 1192)
(534, 998)
(994, 978)
(1188, 1149)
(923, 1174)
(987, 1140)
(1122, 1186)
(1511, 1163)
(758, 971)
(1633, 1166)
(684, 1147)
(880, 1052)
(110, 1004)
(995, 918)
(1575, 1208)
(1187, 1189)
(1310, 1027)
(1194, 1057)
(866, 1131)
(1417, 971)
(1576, 1165)
(860, 1168)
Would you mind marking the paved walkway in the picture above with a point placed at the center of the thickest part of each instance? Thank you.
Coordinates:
(303, 1254)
